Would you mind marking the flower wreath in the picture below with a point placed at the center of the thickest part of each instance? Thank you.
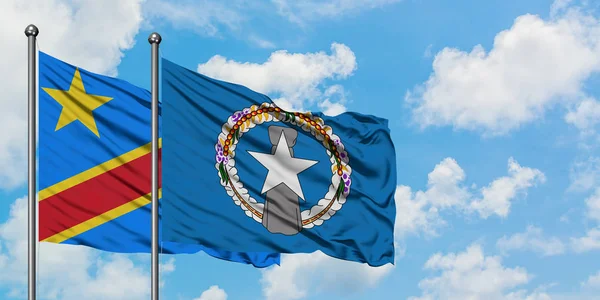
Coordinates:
(242, 121)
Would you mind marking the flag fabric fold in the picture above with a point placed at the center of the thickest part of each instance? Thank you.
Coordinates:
(95, 165)
(242, 174)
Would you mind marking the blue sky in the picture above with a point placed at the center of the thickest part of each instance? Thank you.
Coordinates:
(492, 108)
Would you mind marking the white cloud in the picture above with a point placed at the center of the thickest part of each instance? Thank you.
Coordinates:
(496, 197)
(260, 42)
(589, 242)
(211, 17)
(532, 239)
(588, 291)
(580, 295)
(559, 6)
(334, 101)
(70, 30)
(585, 116)
(472, 275)
(593, 282)
(524, 295)
(167, 267)
(295, 78)
(301, 11)
(427, 53)
(443, 185)
(593, 206)
(532, 66)
(215, 18)
(302, 275)
(585, 174)
(213, 293)
(90, 273)
(332, 109)
(420, 211)
(117, 278)
(415, 212)
(202, 16)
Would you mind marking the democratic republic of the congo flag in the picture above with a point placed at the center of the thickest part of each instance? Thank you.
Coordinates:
(95, 164)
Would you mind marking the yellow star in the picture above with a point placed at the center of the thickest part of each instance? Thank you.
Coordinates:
(77, 104)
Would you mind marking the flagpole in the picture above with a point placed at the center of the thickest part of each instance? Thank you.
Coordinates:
(154, 39)
(31, 32)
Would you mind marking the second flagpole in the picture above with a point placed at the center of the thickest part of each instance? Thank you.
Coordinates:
(154, 41)
(31, 32)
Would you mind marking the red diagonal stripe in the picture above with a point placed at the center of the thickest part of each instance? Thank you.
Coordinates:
(96, 196)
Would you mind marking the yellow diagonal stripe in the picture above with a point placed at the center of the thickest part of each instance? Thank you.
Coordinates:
(95, 171)
(101, 219)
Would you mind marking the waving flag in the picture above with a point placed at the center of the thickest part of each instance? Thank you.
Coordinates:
(95, 167)
(242, 174)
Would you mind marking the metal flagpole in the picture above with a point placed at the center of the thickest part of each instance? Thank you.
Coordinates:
(154, 41)
(31, 32)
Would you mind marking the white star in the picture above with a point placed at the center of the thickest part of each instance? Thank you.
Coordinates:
(283, 168)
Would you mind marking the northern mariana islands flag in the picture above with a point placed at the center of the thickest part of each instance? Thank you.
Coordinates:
(242, 174)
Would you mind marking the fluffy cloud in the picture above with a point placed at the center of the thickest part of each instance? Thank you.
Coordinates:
(114, 276)
(472, 275)
(532, 239)
(585, 116)
(593, 282)
(415, 212)
(419, 211)
(204, 17)
(496, 197)
(260, 42)
(589, 242)
(297, 275)
(301, 11)
(215, 18)
(532, 66)
(213, 293)
(70, 30)
(585, 174)
(332, 109)
(535, 295)
(593, 206)
(296, 78)
(334, 101)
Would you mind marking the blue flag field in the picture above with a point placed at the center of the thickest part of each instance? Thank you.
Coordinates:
(242, 174)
